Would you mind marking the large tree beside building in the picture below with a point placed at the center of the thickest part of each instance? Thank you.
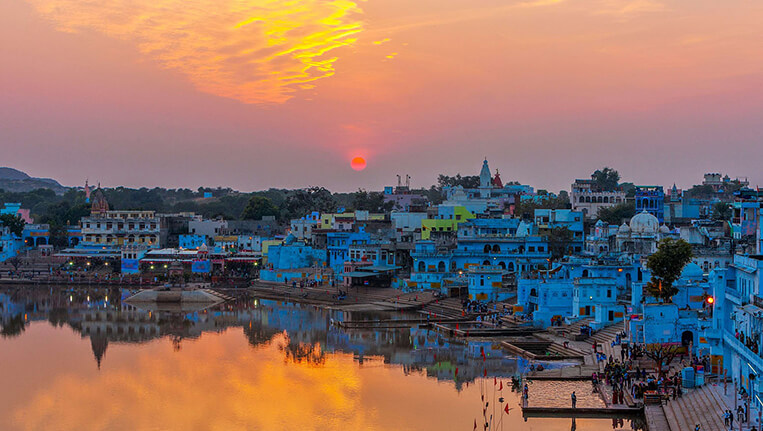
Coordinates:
(559, 240)
(371, 201)
(721, 211)
(300, 202)
(258, 207)
(666, 265)
(618, 213)
(467, 182)
(14, 222)
(606, 179)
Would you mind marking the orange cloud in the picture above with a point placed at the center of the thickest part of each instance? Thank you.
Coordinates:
(255, 52)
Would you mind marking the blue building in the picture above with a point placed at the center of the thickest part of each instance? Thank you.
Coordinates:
(547, 220)
(652, 200)
(293, 259)
(10, 244)
(338, 248)
(510, 244)
(191, 241)
(576, 289)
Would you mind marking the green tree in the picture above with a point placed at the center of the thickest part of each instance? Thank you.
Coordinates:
(14, 222)
(721, 211)
(559, 240)
(371, 201)
(606, 179)
(258, 207)
(303, 201)
(525, 209)
(666, 265)
(467, 182)
(617, 213)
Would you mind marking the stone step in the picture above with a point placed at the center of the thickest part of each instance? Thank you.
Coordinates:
(671, 416)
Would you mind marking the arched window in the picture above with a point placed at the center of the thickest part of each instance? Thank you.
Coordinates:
(511, 266)
(422, 266)
(496, 248)
(487, 248)
(441, 267)
(502, 265)
(585, 273)
(606, 199)
(582, 199)
(486, 263)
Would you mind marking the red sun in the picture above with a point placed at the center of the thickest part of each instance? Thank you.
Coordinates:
(358, 163)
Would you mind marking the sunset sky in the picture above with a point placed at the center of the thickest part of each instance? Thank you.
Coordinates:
(285, 93)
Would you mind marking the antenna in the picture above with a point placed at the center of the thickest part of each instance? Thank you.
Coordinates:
(407, 180)
(398, 180)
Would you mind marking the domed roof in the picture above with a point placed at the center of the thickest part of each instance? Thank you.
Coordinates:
(203, 248)
(624, 229)
(692, 270)
(644, 222)
(664, 229)
(600, 223)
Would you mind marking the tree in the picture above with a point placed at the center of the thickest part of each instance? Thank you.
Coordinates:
(371, 201)
(661, 354)
(666, 265)
(14, 222)
(259, 207)
(467, 182)
(606, 179)
(721, 211)
(559, 241)
(618, 213)
(300, 202)
(525, 209)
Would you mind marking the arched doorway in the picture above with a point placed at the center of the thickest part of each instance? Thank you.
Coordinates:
(422, 266)
(511, 266)
(487, 248)
(502, 265)
(486, 263)
(441, 267)
(687, 338)
(496, 248)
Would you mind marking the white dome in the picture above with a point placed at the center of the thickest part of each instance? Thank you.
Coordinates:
(644, 222)
(624, 230)
(664, 229)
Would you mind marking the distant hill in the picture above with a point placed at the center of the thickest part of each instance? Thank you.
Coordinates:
(13, 180)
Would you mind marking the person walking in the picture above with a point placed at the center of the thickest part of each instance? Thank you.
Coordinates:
(574, 399)
(731, 419)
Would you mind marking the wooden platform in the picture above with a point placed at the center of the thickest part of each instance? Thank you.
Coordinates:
(582, 412)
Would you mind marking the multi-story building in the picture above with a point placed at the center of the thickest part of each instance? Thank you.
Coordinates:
(547, 220)
(509, 244)
(746, 212)
(652, 200)
(589, 199)
(109, 228)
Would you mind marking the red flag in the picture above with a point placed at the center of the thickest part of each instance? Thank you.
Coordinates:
(495, 381)
(506, 409)
(485, 372)
(500, 387)
(456, 370)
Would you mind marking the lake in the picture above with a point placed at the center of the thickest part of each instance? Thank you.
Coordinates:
(83, 360)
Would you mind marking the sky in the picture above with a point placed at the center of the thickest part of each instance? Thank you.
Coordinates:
(283, 93)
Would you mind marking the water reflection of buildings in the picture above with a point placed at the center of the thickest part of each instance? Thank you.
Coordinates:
(309, 331)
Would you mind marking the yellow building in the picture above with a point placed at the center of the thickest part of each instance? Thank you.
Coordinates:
(447, 220)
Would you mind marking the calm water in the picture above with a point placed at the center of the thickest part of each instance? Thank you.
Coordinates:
(83, 361)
